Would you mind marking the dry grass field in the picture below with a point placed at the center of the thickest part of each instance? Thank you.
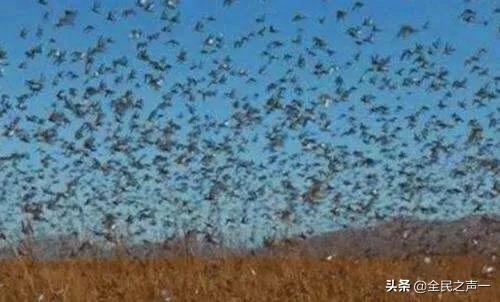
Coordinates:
(247, 278)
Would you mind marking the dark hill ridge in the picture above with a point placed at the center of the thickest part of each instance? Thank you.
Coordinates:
(401, 237)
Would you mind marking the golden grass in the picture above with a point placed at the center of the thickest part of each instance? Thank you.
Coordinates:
(237, 279)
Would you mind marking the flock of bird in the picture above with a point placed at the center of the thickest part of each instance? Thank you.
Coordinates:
(158, 122)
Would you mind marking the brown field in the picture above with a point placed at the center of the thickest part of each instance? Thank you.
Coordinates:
(248, 278)
(68, 269)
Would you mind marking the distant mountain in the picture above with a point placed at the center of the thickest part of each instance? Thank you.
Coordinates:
(402, 237)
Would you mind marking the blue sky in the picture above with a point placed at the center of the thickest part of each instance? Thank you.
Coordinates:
(442, 25)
